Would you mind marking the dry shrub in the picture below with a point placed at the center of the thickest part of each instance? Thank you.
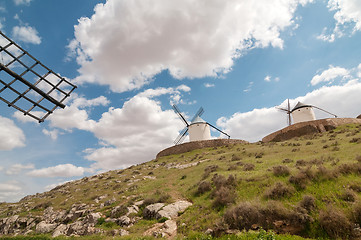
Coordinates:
(287, 160)
(335, 223)
(231, 181)
(232, 167)
(307, 202)
(223, 196)
(209, 169)
(243, 216)
(248, 167)
(235, 157)
(349, 168)
(246, 214)
(356, 213)
(203, 187)
(219, 180)
(301, 179)
(259, 155)
(355, 140)
(348, 196)
(356, 187)
(279, 190)
(301, 162)
(281, 170)
(325, 174)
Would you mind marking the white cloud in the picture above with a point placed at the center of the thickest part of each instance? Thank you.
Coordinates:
(330, 75)
(51, 186)
(347, 15)
(53, 134)
(1, 168)
(209, 85)
(249, 87)
(26, 34)
(10, 135)
(62, 170)
(256, 124)
(267, 78)
(22, 2)
(128, 135)
(17, 168)
(126, 43)
(10, 191)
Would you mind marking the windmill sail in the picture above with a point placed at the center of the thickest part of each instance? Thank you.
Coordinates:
(28, 85)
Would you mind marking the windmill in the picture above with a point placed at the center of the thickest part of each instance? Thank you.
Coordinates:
(28, 85)
(198, 129)
(288, 111)
(302, 112)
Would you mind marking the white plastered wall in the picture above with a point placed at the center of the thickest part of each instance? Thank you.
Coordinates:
(303, 115)
(199, 131)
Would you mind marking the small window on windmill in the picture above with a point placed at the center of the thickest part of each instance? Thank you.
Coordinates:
(28, 85)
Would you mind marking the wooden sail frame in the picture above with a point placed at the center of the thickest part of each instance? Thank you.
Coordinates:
(28, 85)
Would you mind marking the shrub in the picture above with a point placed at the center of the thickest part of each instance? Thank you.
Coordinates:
(248, 167)
(243, 216)
(335, 223)
(356, 187)
(203, 187)
(348, 196)
(301, 162)
(231, 181)
(209, 169)
(279, 190)
(345, 168)
(358, 158)
(259, 155)
(232, 167)
(219, 180)
(223, 196)
(307, 202)
(287, 160)
(325, 174)
(280, 171)
(356, 213)
(300, 180)
(235, 157)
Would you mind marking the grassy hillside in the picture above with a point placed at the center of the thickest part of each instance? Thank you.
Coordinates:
(308, 186)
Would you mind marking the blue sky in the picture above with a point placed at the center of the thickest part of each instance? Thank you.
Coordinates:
(132, 59)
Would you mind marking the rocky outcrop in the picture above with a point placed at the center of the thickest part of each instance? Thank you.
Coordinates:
(168, 229)
(310, 127)
(190, 146)
(171, 211)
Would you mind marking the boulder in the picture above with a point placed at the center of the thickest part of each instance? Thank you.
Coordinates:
(92, 218)
(60, 230)
(171, 211)
(150, 211)
(168, 229)
(124, 221)
(44, 227)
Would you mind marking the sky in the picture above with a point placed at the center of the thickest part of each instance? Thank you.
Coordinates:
(131, 60)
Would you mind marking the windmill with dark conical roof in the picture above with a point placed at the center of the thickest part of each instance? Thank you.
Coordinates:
(301, 112)
(198, 129)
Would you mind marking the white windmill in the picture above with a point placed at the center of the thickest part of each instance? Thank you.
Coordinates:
(301, 112)
(198, 129)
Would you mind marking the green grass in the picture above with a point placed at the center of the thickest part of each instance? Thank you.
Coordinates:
(131, 185)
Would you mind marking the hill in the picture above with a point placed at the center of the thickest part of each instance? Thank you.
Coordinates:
(308, 186)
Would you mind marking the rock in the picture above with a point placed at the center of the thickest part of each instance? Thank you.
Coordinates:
(44, 227)
(165, 230)
(121, 232)
(171, 211)
(124, 221)
(150, 211)
(60, 230)
(92, 218)
(209, 231)
(133, 209)
(109, 202)
(118, 211)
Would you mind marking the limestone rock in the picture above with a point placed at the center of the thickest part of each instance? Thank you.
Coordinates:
(171, 211)
(60, 230)
(151, 210)
(44, 227)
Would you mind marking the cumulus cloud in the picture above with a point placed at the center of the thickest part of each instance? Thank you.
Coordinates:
(330, 75)
(256, 124)
(10, 135)
(26, 34)
(131, 134)
(347, 15)
(209, 85)
(17, 168)
(22, 2)
(10, 191)
(126, 43)
(62, 170)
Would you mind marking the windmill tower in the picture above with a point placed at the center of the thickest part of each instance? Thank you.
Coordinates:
(301, 112)
(198, 129)
(28, 85)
